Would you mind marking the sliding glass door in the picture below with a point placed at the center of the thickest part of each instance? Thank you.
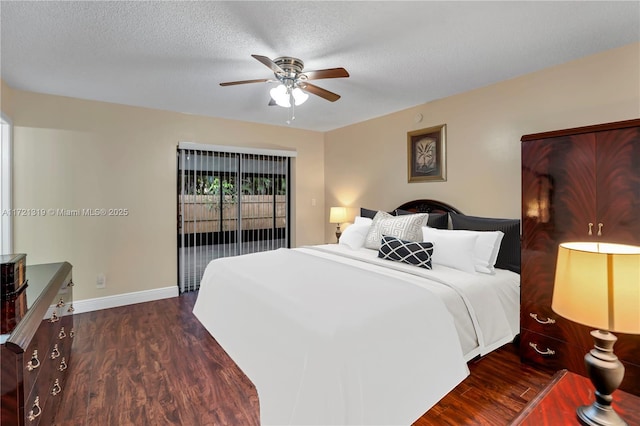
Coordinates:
(229, 203)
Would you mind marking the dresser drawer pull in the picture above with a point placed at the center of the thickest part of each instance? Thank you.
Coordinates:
(547, 321)
(60, 303)
(71, 308)
(546, 352)
(56, 389)
(55, 353)
(34, 362)
(63, 365)
(35, 410)
(62, 334)
(54, 317)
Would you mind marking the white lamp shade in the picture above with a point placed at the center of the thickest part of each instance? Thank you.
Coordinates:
(338, 215)
(598, 284)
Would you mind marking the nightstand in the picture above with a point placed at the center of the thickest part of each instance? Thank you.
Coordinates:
(557, 403)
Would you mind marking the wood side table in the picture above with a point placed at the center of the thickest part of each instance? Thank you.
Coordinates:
(556, 404)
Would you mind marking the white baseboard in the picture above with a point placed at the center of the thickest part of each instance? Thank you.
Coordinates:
(89, 305)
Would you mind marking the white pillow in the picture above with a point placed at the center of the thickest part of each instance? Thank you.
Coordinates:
(354, 236)
(455, 250)
(363, 220)
(407, 227)
(486, 250)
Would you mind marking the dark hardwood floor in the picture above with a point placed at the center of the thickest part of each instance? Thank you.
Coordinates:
(154, 364)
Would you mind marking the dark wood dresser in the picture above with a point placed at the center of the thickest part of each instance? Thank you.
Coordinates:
(579, 184)
(35, 354)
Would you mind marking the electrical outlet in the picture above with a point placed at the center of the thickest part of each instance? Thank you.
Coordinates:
(101, 281)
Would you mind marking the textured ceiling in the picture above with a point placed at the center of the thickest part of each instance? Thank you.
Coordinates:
(173, 55)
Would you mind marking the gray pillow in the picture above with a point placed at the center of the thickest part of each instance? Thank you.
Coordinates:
(407, 227)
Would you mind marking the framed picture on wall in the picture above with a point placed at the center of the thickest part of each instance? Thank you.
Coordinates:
(426, 152)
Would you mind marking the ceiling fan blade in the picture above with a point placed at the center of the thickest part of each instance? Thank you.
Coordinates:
(233, 83)
(328, 73)
(319, 91)
(269, 63)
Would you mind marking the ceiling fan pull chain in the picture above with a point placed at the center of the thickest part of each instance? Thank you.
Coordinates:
(292, 113)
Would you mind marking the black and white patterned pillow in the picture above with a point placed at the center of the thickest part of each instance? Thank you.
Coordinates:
(411, 252)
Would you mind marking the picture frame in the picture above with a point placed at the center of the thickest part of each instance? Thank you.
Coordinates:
(426, 154)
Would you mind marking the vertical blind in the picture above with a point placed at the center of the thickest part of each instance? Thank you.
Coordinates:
(231, 201)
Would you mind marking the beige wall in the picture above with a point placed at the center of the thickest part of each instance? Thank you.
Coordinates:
(5, 98)
(366, 163)
(75, 154)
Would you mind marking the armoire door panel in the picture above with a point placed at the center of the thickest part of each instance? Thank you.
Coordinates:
(573, 167)
(618, 185)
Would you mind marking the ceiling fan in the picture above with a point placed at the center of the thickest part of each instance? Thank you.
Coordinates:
(293, 81)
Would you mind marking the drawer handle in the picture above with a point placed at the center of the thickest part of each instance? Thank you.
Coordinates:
(55, 353)
(54, 317)
(600, 225)
(72, 333)
(590, 229)
(71, 308)
(56, 389)
(62, 334)
(546, 352)
(35, 362)
(33, 414)
(547, 321)
(60, 303)
(63, 365)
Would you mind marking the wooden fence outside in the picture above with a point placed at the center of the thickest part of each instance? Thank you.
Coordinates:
(202, 213)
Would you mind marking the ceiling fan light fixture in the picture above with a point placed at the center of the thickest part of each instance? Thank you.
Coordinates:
(280, 95)
(299, 96)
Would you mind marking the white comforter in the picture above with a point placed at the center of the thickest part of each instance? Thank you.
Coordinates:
(333, 340)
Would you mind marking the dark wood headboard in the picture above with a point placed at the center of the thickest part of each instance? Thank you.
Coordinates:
(428, 206)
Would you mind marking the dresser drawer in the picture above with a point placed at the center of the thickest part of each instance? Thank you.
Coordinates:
(551, 353)
(37, 353)
(35, 408)
(46, 392)
(543, 320)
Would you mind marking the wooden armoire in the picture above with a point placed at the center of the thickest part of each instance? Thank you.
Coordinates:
(580, 184)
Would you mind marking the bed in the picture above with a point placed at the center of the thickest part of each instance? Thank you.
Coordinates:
(347, 334)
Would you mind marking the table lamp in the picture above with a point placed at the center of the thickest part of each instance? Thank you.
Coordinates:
(338, 215)
(598, 285)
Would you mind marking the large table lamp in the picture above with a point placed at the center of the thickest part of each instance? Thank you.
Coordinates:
(598, 285)
(338, 215)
